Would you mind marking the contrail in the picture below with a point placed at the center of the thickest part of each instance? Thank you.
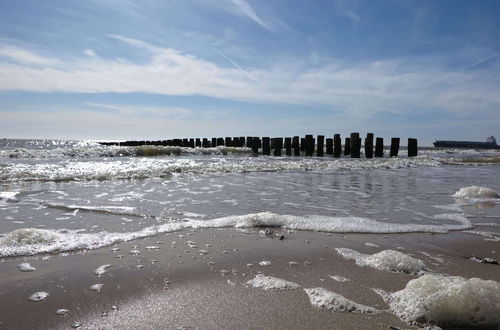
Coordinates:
(235, 64)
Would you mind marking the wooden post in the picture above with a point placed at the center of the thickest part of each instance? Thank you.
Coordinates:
(228, 142)
(185, 143)
(254, 144)
(214, 143)
(394, 147)
(288, 146)
(355, 145)
(198, 143)
(320, 146)
(278, 145)
(302, 144)
(379, 147)
(329, 146)
(191, 143)
(296, 146)
(241, 143)
(369, 145)
(347, 146)
(337, 145)
(266, 148)
(412, 147)
(220, 142)
(309, 145)
(249, 143)
(205, 143)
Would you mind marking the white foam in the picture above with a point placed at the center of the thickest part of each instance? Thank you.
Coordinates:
(26, 267)
(8, 195)
(448, 301)
(96, 287)
(30, 241)
(388, 260)
(324, 299)
(272, 283)
(39, 296)
(101, 270)
(339, 278)
(138, 168)
(265, 263)
(475, 192)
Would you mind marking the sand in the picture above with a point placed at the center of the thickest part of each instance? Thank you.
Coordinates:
(175, 286)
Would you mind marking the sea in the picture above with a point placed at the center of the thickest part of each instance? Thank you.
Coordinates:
(58, 195)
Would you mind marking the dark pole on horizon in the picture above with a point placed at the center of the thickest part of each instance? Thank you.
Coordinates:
(394, 147)
(266, 148)
(329, 146)
(369, 145)
(347, 146)
(355, 145)
(320, 145)
(296, 146)
(337, 145)
(379, 147)
(288, 146)
(412, 147)
(309, 145)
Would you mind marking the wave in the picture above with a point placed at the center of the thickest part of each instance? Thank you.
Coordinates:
(31, 241)
(141, 168)
(98, 151)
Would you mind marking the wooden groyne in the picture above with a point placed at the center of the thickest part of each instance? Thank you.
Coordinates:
(308, 146)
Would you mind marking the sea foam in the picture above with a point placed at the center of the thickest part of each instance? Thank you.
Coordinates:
(448, 301)
(324, 299)
(271, 283)
(30, 241)
(475, 192)
(388, 260)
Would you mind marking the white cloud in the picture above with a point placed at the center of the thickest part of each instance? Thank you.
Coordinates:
(395, 86)
(20, 55)
(89, 52)
(246, 9)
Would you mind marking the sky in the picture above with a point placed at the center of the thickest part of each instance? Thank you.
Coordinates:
(158, 69)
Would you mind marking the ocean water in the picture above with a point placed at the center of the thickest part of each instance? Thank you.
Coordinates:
(72, 195)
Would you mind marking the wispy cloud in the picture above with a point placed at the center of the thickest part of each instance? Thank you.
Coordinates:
(245, 8)
(486, 59)
(24, 56)
(235, 64)
(128, 110)
(361, 90)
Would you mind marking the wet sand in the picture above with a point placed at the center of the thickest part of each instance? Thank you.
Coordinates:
(176, 286)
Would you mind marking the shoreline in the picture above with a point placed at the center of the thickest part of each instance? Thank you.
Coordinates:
(176, 286)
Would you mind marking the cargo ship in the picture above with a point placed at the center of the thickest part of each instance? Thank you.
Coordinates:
(490, 143)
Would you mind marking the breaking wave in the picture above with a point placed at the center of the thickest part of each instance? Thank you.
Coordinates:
(31, 241)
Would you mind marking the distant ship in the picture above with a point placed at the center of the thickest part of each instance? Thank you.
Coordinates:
(490, 143)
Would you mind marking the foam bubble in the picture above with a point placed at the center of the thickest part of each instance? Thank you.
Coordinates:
(328, 300)
(272, 283)
(8, 195)
(101, 270)
(474, 192)
(96, 287)
(39, 296)
(388, 260)
(26, 267)
(265, 263)
(339, 278)
(448, 301)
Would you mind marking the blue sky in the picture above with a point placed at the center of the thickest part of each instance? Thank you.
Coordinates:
(130, 69)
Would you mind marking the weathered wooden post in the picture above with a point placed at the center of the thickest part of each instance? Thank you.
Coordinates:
(347, 146)
(266, 147)
(412, 147)
(241, 143)
(249, 143)
(309, 145)
(320, 145)
(278, 145)
(337, 145)
(379, 147)
(198, 142)
(329, 146)
(253, 142)
(394, 147)
(213, 144)
(369, 145)
(288, 146)
(296, 146)
(191, 143)
(205, 143)
(220, 142)
(302, 144)
(355, 145)
(228, 142)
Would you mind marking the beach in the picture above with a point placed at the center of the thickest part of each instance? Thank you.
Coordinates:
(227, 240)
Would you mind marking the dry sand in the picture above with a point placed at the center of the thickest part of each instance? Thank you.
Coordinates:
(175, 286)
